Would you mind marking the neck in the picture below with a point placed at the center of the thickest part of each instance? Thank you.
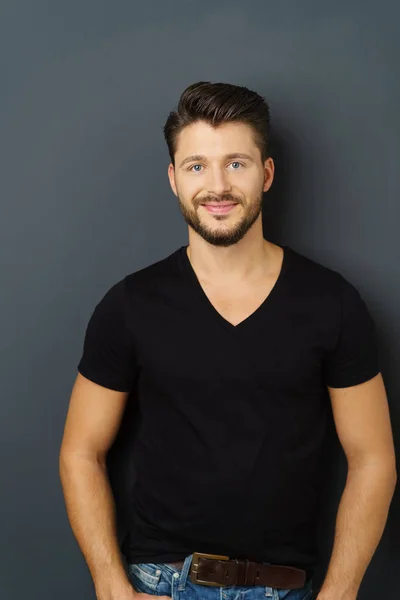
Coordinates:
(246, 260)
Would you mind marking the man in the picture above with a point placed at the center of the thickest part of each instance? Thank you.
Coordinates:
(233, 347)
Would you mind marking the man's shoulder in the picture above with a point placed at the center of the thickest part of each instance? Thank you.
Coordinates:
(313, 276)
(155, 274)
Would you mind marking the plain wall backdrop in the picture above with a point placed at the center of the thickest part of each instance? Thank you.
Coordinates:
(86, 87)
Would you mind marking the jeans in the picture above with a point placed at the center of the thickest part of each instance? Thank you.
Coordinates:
(163, 579)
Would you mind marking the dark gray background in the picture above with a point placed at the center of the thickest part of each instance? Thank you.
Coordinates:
(86, 87)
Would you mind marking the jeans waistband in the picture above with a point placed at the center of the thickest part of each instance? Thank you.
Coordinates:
(184, 573)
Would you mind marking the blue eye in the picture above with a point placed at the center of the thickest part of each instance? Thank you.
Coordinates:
(193, 167)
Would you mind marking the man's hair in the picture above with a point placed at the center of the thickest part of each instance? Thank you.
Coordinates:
(217, 103)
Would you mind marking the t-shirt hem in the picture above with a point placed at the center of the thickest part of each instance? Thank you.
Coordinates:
(155, 558)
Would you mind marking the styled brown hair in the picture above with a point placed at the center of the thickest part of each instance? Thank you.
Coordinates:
(218, 103)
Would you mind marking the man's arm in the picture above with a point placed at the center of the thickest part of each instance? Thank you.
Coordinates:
(363, 425)
(93, 420)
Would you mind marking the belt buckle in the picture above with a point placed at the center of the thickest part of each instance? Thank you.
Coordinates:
(195, 564)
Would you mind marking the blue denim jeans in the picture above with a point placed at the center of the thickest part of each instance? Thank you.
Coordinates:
(163, 579)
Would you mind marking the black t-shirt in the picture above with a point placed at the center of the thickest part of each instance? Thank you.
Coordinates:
(228, 453)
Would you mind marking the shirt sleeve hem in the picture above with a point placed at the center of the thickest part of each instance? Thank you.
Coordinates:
(116, 387)
(354, 379)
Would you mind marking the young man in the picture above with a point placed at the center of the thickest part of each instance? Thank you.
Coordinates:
(233, 347)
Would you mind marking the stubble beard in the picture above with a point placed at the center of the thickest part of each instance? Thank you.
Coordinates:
(219, 236)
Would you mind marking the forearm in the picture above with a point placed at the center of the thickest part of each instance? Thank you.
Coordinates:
(360, 522)
(91, 512)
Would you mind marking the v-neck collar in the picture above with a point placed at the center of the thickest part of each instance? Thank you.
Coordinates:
(211, 308)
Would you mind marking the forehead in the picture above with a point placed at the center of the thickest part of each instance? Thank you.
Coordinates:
(203, 138)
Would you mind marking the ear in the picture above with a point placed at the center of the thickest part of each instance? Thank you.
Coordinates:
(269, 170)
(171, 177)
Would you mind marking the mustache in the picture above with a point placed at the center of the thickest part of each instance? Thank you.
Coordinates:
(224, 198)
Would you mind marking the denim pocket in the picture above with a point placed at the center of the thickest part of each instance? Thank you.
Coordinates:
(145, 577)
(304, 593)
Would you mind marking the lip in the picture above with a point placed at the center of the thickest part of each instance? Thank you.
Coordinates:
(220, 208)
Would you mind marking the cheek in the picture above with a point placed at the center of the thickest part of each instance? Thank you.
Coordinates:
(189, 190)
(257, 187)
(248, 190)
(248, 182)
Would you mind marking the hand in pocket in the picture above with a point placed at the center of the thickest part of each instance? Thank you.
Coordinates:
(143, 596)
(147, 580)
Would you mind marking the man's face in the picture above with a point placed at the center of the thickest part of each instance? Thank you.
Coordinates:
(218, 166)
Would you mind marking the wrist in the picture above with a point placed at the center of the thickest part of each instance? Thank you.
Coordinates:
(335, 594)
(110, 586)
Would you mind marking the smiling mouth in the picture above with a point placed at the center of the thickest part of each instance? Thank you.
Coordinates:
(220, 208)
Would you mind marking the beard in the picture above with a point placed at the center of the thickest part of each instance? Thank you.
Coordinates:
(221, 236)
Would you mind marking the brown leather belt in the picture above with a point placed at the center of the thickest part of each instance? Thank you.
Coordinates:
(219, 570)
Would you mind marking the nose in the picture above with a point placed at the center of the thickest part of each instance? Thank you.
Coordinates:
(218, 182)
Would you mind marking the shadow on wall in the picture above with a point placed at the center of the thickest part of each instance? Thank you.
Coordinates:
(281, 193)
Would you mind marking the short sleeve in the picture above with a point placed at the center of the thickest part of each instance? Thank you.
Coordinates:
(355, 358)
(108, 356)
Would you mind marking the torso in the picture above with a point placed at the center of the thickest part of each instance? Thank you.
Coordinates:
(229, 449)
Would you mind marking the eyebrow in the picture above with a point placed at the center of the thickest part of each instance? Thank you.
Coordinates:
(201, 157)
